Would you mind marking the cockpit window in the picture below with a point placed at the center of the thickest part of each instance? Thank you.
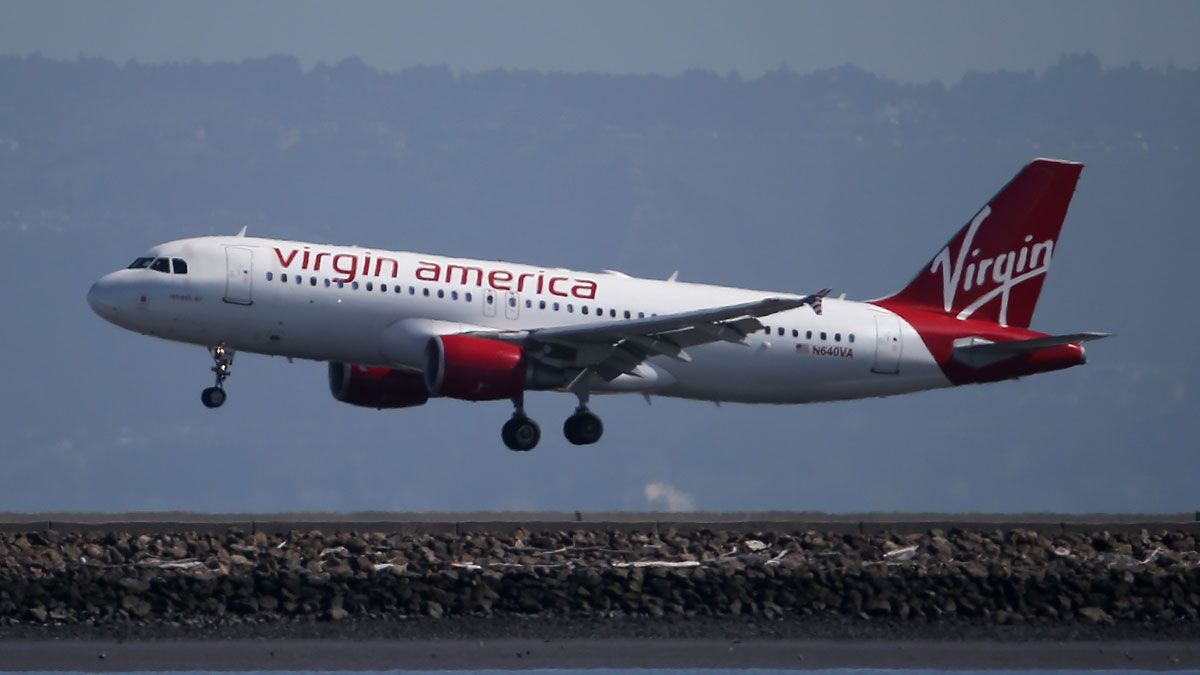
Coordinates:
(161, 265)
(179, 266)
(140, 263)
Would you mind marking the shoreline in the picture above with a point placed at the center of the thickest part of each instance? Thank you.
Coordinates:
(632, 628)
(496, 522)
(1017, 598)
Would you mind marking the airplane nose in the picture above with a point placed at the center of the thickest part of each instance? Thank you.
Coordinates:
(102, 299)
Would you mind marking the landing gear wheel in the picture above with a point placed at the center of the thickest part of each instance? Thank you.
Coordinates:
(583, 428)
(521, 434)
(212, 397)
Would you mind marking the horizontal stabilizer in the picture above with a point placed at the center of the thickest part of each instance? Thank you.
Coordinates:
(978, 353)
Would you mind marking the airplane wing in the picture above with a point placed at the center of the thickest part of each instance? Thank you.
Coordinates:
(611, 348)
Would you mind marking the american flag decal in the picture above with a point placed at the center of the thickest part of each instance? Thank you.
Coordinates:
(803, 348)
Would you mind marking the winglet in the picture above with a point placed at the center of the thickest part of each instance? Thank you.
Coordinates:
(673, 277)
(242, 232)
(815, 299)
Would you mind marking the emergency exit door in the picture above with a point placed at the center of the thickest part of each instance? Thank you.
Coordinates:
(888, 345)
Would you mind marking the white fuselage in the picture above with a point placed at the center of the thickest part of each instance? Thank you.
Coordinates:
(376, 307)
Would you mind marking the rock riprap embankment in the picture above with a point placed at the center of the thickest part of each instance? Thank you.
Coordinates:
(1006, 577)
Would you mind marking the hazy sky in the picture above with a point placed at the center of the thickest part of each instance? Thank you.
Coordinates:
(905, 40)
(849, 182)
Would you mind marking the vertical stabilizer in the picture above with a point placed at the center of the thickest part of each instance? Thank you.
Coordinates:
(994, 268)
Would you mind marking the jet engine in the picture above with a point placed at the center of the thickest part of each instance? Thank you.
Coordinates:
(479, 369)
(376, 386)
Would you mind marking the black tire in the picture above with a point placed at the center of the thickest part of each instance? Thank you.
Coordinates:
(583, 428)
(521, 434)
(213, 397)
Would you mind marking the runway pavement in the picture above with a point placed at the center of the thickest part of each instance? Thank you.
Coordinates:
(104, 656)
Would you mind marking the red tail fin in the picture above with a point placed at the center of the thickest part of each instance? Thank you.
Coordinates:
(993, 269)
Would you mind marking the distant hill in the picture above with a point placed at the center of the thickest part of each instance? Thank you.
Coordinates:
(266, 139)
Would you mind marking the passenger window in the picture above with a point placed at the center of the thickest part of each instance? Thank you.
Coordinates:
(398, 289)
(851, 338)
(425, 292)
(822, 335)
(541, 304)
(612, 313)
(341, 284)
(528, 304)
(808, 335)
(383, 288)
(781, 331)
(767, 330)
(570, 308)
(370, 286)
(468, 296)
(178, 266)
(491, 299)
(161, 265)
(312, 281)
(556, 306)
(584, 309)
(453, 295)
(512, 302)
(270, 276)
(299, 279)
(441, 293)
(641, 315)
(326, 283)
(795, 333)
(412, 290)
(837, 337)
(354, 285)
(283, 277)
(626, 314)
(140, 263)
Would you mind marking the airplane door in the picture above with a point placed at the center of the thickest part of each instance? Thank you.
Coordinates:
(888, 345)
(239, 275)
(489, 302)
(512, 305)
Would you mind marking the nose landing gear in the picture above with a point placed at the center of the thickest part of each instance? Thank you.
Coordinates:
(214, 396)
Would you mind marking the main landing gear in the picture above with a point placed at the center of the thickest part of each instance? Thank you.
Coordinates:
(583, 428)
(214, 396)
(520, 433)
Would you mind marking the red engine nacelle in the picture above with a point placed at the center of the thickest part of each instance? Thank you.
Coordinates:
(475, 369)
(376, 387)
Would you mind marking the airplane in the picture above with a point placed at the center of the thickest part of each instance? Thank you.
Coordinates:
(399, 328)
